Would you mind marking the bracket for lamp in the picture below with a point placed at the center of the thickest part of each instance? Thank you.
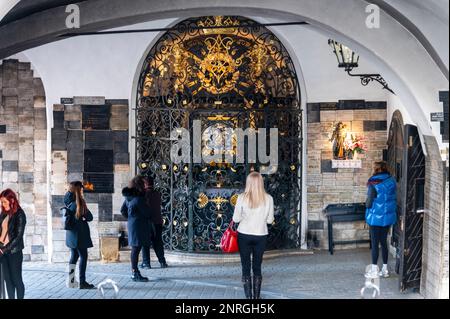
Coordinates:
(367, 78)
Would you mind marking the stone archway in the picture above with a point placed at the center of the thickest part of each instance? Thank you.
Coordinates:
(260, 89)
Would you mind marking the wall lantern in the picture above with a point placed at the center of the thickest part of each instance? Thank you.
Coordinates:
(349, 59)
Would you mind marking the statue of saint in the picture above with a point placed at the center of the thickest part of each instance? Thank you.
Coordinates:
(339, 138)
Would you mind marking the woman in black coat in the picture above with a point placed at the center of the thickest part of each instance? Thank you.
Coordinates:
(12, 229)
(136, 210)
(78, 239)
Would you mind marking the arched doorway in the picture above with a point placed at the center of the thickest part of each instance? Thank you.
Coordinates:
(406, 161)
(227, 74)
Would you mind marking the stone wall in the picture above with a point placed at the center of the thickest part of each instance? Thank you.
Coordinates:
(326, 185)
(435, 224)
(23, 150)
(90, 144)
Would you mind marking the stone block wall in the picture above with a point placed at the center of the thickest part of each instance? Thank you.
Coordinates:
(90, 144)
(23, 150)
(434, 281)
(326, 185)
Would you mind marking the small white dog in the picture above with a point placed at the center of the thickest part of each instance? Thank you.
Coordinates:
(372, 283)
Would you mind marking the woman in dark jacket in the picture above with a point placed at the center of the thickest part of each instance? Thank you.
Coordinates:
(78, 239)
(381, 214)
(153, 198)
(12, 228)
(136, 210)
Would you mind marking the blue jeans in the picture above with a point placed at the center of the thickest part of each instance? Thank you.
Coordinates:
(81, 253)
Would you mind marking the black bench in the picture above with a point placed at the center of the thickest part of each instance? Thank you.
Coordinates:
(338, 213)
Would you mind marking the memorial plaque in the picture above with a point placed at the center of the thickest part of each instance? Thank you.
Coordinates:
(351, 105)
(313, 112)
(96, 117)
(437, 117)
(98, 161)
(59, 137)
(99, 140)
(98, 183)
(66, 100)
(57, 203)
(2, 129)
(105, 207)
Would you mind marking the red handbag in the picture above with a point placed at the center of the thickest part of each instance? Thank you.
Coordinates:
(229, 240)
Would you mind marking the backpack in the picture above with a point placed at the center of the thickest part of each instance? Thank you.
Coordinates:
(68, 218)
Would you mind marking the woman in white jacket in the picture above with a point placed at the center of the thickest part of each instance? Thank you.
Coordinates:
(253, 211)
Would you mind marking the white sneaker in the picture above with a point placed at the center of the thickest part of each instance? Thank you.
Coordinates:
(384, 273)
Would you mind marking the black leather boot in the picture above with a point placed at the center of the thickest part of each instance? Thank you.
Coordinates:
(136, 276)
(247, 280)
(257, 280)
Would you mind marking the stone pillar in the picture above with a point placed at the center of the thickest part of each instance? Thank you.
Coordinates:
(435, 225)
(23, 150)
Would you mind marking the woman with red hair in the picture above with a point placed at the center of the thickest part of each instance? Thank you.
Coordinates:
(12, 228)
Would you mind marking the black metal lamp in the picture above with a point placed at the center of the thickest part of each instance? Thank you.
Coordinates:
(348, 59)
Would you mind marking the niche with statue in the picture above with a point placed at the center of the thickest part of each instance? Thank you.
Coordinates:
(346, 147)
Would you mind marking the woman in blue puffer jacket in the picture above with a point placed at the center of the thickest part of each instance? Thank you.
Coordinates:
(381, 214)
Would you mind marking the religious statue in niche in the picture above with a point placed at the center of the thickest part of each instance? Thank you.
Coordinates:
(338, 139)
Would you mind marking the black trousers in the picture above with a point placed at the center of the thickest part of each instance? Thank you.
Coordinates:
(82, 254)
(251, 249)
(12, 275)
(378, 236)
(135, 250)
(157, 243)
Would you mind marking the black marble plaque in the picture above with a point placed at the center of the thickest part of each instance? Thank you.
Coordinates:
(75, 161)
(99, 140)
(96, 117)
(443, 97)
(376, 105)
(351, 105)
(10, 166)
(326, 167)
(57, 203)
(121, 158)
(328, 106)
(119, 218)
(2, 129)
(98, 161)
(375, 126)
(316, 224)
(105, 207)
(59, 139)
(117, 102)
(66, 100)
(26, 177)
(91, 198)
(58, 119)
(37, 249)
(313, 112)
(101, 182)
(73, 125)
(1, 154)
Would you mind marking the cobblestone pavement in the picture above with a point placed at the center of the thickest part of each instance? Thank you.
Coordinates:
(338, 276)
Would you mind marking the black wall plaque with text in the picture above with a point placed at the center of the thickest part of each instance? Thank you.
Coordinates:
(96, 117)
(66, 100)
(102, 183)
(98, 161)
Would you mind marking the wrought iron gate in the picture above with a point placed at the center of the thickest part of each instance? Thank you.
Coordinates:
(408, 233)
(235, 75)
